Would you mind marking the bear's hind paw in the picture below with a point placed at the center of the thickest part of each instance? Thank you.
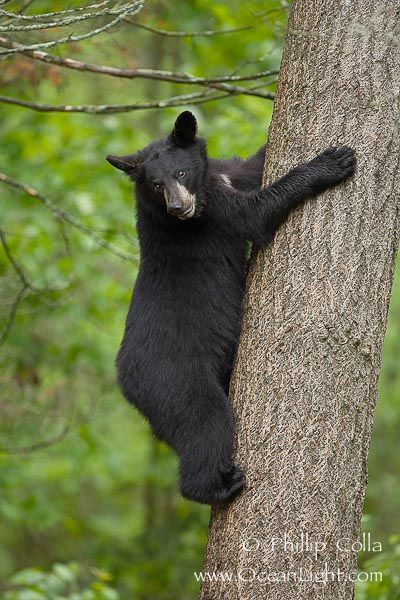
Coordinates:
(223, 488)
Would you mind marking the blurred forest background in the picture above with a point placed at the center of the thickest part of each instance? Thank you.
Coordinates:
(89, 506)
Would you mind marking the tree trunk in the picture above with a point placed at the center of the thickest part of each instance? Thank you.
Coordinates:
(305, 380)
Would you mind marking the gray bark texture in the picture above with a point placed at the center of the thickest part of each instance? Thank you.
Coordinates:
(304, 385)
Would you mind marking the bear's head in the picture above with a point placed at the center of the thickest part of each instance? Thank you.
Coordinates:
(170, 172)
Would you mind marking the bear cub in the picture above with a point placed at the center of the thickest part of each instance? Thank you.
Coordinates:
(195, 217)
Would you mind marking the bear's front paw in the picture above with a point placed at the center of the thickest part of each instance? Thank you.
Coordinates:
(334, 165)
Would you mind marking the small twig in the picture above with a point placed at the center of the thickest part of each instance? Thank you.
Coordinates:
(27, 286)
(64, 235)
(113, 108)
(26, 5)
(21, 10)
(16, 266)
(60, 213)
(195, 98)
(20, 271)
(39, 445)
(11, 316)
(65, 22)
(132, 8)
(53, 14)
(190, 34)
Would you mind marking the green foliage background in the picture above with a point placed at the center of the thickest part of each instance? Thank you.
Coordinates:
(89, 501)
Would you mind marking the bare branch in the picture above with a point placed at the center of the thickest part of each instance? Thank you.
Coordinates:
(53, 14)
(125, 10)
(195, 98)
(109, 109)
(191, 34)
(39, 445)
(27, 286)
(11, 316)
(16, 266)
(65, 237)
(60, 213)
(66, 21)
(170, 76)
(25, 6)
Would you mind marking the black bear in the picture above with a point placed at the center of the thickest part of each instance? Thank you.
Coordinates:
(195, 217)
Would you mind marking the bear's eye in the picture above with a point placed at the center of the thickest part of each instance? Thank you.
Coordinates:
(180, 174)
(158, 186)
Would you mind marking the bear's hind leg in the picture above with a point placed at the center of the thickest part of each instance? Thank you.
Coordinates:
(207, 472)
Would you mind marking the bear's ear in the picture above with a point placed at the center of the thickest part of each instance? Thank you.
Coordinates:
(185, 128)
(130, 164)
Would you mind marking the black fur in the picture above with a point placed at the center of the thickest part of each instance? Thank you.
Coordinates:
(184, 320)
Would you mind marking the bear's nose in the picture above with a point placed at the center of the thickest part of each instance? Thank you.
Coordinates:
(173, 203)
(174, 207)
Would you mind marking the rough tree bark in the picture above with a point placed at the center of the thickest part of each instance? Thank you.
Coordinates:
(305, 379)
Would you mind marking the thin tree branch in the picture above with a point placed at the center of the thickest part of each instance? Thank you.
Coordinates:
(64, 235)
(26, 5)
(170, 76)
(65, 22)
(129, 9)
(60, 213)
(112, 108)
(195, 98)
(191, 34)
(39, 445)
(53, 14)
(11, 316)
(23, 8)
(26, 285)
(16, 266)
